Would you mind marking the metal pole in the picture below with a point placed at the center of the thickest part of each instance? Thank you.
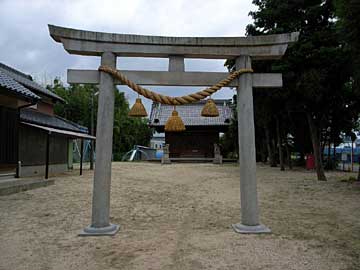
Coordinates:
(47, 155)
(92, 132)
(352, 156)
(81, 155)
(17, 128)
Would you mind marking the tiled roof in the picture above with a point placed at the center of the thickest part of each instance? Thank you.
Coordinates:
(36, 117)
(191, 114)
(13, 86)
(26, 81)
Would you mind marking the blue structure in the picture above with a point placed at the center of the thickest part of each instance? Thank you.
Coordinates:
(345, 149)
(140, 153)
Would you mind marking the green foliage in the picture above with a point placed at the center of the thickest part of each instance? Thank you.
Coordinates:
(348, 12)
(229, 141)
(78, 102)
(128, 131)
(79, 98)
(317, 76)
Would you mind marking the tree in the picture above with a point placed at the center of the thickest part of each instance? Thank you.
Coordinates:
(127, 131)
(315, 71)
(229, 141)
(78, 101)
(348, 12)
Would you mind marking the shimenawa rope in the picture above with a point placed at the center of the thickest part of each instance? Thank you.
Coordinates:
(191, 98)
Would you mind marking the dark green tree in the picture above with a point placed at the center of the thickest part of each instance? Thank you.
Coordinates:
(315, 72)
(348, 12)
(127, 131)
(229, 141)
(78, 102)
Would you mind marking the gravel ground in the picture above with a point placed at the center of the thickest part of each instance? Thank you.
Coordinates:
(179, 217)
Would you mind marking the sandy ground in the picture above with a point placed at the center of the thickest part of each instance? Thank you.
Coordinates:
(180, 216)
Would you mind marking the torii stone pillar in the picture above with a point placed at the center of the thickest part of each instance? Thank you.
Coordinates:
(247, 155)
(100, 224)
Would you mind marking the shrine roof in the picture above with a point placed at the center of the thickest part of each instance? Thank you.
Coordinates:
(27, 82)
(54, 121)
(8, 83)
(191, 114)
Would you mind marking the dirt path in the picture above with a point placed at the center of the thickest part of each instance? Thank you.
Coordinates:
(180, 216)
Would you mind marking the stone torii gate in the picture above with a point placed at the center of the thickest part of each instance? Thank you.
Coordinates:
(109, 46)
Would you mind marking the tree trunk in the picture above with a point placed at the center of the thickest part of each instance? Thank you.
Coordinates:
(352, 156)
(288, 156)
(92, 133)
(274, 151)
(264, 154)
(281, 154)
(302, 159)
(316, 148)
(334, 155)
(271, 154)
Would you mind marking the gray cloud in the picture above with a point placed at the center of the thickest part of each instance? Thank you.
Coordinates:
(25, 43)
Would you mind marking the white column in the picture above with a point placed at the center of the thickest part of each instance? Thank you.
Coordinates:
(100, 224)
(247, 156)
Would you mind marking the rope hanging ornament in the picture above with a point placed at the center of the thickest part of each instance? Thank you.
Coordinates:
(175, 123)
(138, 109)
(210, 109)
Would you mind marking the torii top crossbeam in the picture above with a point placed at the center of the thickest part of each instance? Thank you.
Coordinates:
(95, 43)
(176, 49)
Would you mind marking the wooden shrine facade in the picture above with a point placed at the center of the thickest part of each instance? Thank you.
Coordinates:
(197, 141)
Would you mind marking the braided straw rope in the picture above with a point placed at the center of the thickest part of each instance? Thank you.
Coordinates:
(174, 100)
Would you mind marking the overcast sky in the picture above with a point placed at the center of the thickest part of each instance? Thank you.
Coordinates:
(25, 43)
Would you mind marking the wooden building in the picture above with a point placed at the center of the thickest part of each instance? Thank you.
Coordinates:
(31, 135)
(201, 132)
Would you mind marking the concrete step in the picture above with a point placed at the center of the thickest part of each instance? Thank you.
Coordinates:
(192, 160)
(16, 185)
(6, 176)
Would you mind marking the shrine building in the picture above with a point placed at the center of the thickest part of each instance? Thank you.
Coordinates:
(201, 133)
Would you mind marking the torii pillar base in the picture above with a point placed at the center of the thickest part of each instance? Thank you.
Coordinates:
(245, 229)
(110, 230)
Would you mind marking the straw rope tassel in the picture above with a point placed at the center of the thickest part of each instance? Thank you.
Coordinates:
(210, 109)
(138, 109)
(174, 123)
